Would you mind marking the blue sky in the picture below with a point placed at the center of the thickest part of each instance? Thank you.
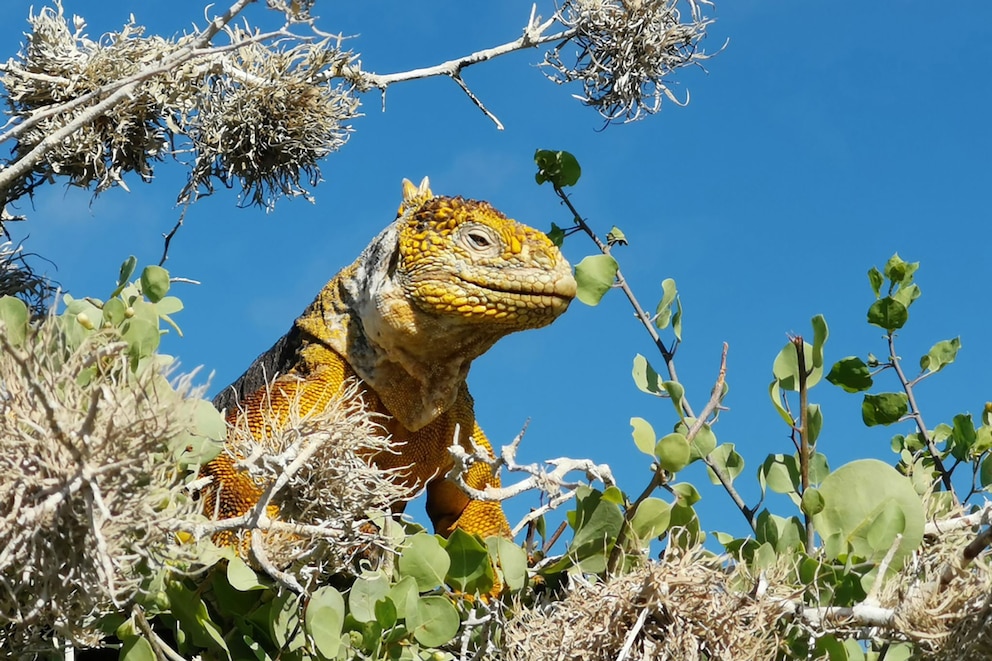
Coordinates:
(824, 138)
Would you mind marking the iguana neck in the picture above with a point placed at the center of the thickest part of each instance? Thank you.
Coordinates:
(415, 362)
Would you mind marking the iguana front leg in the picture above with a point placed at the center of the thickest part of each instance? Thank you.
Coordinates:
(449, 507)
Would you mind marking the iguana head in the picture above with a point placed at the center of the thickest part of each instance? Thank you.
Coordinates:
(435, 290)
(465, 260)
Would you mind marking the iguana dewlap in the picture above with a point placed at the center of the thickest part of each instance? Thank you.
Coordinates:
(432, 292)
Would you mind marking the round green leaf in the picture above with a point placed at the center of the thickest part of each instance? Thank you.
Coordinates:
(645, 377)
(985, 472)
(644, 437)
(888, 313)
(780, 473)
(941, 355)
(559, 167)
(470, 569)
(594, 276)
(727, 458)
(434, 622)
(651, 518)
(364, 593)
(137, 648)
(154, 283)
(14, 320)
(687, 494)
(511, 560)
(866, 503)
(786, 367)
(242, 577)
(884, 408)
(324, 620)
(812, 502)
(425, 560)
(851, 374)
(673, 452)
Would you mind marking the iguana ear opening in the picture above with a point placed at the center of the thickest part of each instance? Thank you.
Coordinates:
(414, 195)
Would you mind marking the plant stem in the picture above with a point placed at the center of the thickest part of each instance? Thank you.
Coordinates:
(945, 476)
(669, 357)
(804, 445)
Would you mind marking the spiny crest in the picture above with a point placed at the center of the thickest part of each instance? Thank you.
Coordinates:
(414, 196)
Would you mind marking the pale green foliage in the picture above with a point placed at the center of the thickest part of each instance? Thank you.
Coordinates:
(95, 447)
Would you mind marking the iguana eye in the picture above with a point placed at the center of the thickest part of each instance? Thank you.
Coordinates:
(480, 240)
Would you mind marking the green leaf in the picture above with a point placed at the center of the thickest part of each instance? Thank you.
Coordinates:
(424, 559)
(114, 312)
(434, 622)
(613, 494)
(884, 409)
(818, 467)
(906, 295)
(385, 613)
(470, 569)
(404, 594)
(899, 271)
(875, 279)
(142, 336)
(651, 519)
(663, 314)
(14, 320)
(615, 236)
(726, 457)
(511, 560)
(963, 436)
(364, 593)
(985, 472)
(672, 452)
(814, 420)
(558, 167)
(677, 319)
(812, 501)
(154, 283)
(677, 393)
(194, 619)
(127, 270)
(940, 355)
(596, 523)
(645, 377)
(594, 276)
(851, 374)
(686, 493)
(786, 367)
(780, 473)
(775, 393)
(866, 504)
(781, 533)
(888, 313)
(324, 620)
(136, 648)
(644, 436)
(702, 443)
(242, 577)
(556, 235)
(820, 335)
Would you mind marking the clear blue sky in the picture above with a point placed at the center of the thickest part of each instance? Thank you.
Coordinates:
(825, 137)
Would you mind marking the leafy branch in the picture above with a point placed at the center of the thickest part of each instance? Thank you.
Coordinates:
(561, 170)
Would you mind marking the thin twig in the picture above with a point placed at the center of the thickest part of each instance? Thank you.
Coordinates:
(26, 163)
(804, 445)
(945, 476)
(457, 77)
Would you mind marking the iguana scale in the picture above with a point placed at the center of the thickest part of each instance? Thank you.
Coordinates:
(432, 292)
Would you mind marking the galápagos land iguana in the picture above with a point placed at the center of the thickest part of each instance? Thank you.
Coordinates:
(431, 293)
